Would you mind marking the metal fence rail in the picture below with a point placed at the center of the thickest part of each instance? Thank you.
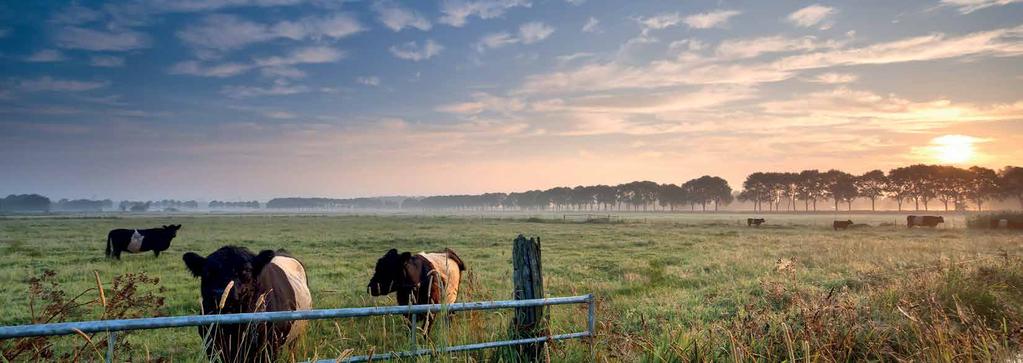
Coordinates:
(113, 326)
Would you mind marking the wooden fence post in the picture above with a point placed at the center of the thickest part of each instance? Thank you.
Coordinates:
(529, 322)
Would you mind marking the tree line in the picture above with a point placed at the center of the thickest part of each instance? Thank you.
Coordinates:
(704, 191)
(916, 185)
(330, 203)
(955, 188)
(216, 204)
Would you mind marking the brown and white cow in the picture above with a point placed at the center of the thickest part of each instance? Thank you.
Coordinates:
(754, 221)
(924, 221)
(422, 278)
(234, 280)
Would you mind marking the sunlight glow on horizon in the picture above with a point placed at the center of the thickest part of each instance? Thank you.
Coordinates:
(954, 149)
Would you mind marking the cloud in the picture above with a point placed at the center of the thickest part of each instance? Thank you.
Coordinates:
(714, 19)
(562, 59)
(305, 55)
(229, 32)
(857, 109)
(484, 102)
(495, 40)
(48, 83)
(207, 5)
(701, 70)
(753, 47)
(73, 37)
(106, 61)
(195, 68)
(279, 88)
(45, 56)
(372, 81)
(413, 52)
(397, 18)
(280, 115)
(591, 25)
(969, 6)
(660, 21)
(528, 33)
(813, 15)
(533, 32)
(999, 43)
(456, 12)
(282, 72)
(834, 78)
(275, 66)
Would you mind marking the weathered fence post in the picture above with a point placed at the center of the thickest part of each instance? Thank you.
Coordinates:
(529, 322)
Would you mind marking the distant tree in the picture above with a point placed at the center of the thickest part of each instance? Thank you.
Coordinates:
(1010, 182)
(671, 196)
(810, 188)
(606, 195)
(708, 189)
(982, 185)
(900, 185)
(951, 184)
(25, 203)
(840, 187)
(871, 185)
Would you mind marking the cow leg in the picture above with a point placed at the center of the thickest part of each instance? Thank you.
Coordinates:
(156, 253)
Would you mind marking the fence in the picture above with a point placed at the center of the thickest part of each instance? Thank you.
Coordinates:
(113, 326)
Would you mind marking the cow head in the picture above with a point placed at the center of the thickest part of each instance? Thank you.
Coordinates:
(849, 222)
(232, 266)
(941, 219)
(172, 230)
(389, 273)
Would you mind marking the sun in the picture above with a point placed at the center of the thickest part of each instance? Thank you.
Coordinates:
(953, 149)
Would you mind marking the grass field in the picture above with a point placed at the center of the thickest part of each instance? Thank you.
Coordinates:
(670, 287)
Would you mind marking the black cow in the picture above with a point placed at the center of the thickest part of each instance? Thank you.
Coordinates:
(754, 222)
(837, 225)
(234, 280)
(924, 221)
(423, 278)
(140, 240)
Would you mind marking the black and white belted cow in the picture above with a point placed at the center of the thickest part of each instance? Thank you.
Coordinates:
(422, 278)
(234, 280)
(140, 240)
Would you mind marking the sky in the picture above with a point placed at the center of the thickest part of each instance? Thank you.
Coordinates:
(254, 99)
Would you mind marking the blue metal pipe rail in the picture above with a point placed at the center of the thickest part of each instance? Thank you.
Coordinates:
(113, 326)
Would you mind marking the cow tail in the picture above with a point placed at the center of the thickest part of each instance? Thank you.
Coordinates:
(454, 256)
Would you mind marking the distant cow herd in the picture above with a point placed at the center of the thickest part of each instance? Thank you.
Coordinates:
(232, 280)
(911, 221)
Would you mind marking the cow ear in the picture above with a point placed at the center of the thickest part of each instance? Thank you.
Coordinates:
(195, 263)
(392, 252)
(261, 261)
(177, 227)
(405, 257)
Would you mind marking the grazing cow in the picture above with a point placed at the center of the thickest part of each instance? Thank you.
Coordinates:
(423, 278)
(140, 240)
(754, 222)
(233, 280)
(924, 221)
(999, 223)
(837, 225)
